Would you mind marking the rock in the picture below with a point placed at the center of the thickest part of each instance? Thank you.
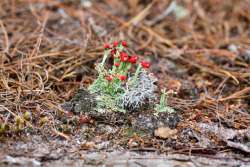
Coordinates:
(237, 139)
(233, 48)
(94, 159)
(102, 145)
(22, 161)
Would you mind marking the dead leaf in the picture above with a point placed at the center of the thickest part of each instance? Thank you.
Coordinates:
(174, 85)
(165, 132)
(88, 145)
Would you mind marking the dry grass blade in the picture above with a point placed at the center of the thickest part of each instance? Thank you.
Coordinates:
(237, 95)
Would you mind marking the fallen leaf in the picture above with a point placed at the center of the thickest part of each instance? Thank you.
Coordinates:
(88, 145)
(165, 132)
(174, 85)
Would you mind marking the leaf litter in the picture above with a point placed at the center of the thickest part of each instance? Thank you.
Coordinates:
(47, 54)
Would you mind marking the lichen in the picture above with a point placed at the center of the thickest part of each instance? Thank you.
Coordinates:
(141, 93)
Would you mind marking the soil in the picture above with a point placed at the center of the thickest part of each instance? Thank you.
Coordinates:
(36, 150)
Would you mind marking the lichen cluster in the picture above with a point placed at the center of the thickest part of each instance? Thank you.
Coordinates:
(127, 85)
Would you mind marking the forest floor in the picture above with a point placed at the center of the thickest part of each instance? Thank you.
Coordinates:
(198, 49)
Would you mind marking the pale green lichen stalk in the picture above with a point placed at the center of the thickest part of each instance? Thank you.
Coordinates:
(162, 106)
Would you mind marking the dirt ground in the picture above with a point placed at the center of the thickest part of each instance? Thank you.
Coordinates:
(198, 49)
(39, 151)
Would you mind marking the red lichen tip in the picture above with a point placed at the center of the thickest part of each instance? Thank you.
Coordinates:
(124, 43)
(117, 64)
(133, 59)
(124, 56)
(113, 52)
(145, 64)
(123, 77)
(109, 78)
(115, 43)
(106, 46)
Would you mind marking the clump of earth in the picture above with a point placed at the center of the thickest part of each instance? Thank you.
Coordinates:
(83, 103)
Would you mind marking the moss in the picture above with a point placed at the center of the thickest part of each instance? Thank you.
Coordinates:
(82, 102)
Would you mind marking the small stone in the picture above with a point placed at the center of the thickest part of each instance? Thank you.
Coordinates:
(21, 161)
(86, 3)
(102, 145)
(233, 48)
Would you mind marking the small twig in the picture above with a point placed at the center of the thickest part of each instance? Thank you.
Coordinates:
(6, 38)
(236, 95)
